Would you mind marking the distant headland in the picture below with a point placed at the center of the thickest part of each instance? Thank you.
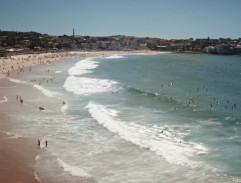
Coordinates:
(12, 42)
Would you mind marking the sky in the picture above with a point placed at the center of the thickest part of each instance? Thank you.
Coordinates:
(168, 19)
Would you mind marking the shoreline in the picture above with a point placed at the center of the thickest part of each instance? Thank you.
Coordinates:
(17, 155)
(18, 62)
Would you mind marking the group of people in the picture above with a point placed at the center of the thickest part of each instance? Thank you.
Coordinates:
(46, 143)
(192, 101)
(20, 99)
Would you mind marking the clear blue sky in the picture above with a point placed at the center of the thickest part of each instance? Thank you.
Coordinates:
(153, 18)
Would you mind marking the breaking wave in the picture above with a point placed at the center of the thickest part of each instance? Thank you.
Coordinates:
(19, 81)
(115, 57)
(46, 92)
(86, 86)
(169, 143)
(73, 170)
(83, 67)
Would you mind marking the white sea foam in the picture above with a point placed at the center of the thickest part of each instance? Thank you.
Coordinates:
(57, 72)
(115, 57)
(86, 86)
(64, 108)
(83, 67)
(73, 170)
(5, 99)
(167, 144)
(210, 122)
(12, 135)
(19, 81)
(46, 92)
(36, 177)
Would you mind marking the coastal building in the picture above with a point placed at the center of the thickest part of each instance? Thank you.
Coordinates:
(222, 49)
(26, 43)
(94, 46)
(102, 45)
(237, 49)
(3, 53)
(162, 48)
(209, 49)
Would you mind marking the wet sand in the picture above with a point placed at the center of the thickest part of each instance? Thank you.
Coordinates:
(17, 156)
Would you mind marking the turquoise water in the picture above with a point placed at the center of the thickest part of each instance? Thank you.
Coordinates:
(135, 118)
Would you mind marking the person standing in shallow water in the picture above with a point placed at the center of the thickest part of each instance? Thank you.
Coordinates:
(38, 143)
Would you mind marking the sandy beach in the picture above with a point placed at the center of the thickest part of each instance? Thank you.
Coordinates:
(17, 154)
(11, 63)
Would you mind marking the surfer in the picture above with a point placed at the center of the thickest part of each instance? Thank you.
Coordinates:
(41, 108)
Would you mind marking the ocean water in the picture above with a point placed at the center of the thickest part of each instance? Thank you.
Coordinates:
(131, 118)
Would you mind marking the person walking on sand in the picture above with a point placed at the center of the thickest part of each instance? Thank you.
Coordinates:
(38, 143)
(46, 143)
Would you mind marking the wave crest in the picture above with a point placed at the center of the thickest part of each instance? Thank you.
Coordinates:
(86, 86)
(19, 81)
(73, 170)
(45, 91)
(83, 67)
(167, 143)
(115, 57)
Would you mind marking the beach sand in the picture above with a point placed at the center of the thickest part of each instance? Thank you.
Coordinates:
(17, 155)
